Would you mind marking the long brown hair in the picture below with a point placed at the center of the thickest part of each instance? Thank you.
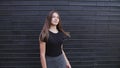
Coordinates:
(45, 30)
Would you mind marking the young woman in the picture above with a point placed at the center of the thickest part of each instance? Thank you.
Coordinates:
(51, 43)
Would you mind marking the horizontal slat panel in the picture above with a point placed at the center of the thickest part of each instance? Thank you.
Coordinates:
(93, 24)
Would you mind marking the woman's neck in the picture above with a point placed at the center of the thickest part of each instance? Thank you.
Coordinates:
(53, 29)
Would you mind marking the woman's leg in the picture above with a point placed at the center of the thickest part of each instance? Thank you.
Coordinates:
(61, 63)
(50, 62)
(56, 62)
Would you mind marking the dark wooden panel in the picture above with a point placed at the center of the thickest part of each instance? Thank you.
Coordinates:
(47, 3)
(93, 24)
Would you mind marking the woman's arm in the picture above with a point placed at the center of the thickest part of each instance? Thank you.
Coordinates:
(42, 54)
(67, 62)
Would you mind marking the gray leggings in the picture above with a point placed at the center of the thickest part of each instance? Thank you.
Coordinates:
(56, 62)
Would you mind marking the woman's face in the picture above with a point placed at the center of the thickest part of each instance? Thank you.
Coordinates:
(55, 19)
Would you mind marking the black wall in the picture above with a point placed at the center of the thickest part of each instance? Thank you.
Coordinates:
(94, 26)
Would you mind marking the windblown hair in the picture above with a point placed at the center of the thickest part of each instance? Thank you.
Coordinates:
(44, 35)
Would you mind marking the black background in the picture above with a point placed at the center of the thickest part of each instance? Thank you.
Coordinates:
(94, 26)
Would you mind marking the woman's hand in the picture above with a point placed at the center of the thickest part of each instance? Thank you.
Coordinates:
(68, 65)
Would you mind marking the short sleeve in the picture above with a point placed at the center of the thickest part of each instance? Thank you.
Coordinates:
(43, 40)
(65, 37)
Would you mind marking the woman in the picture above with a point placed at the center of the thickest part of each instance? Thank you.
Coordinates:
(51, 43)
